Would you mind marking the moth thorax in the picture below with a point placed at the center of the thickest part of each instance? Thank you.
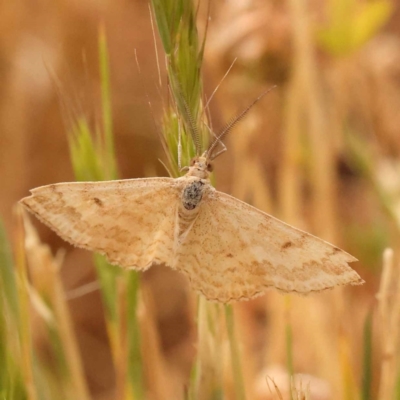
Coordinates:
(192, 194)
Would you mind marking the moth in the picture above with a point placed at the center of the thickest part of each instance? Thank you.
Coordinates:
(228, 249)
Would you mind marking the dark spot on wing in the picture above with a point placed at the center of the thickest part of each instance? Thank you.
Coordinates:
(335, 250)
(98, 201)
(229, 255)
(286, 245)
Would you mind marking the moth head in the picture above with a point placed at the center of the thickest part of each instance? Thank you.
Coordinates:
(200, 166)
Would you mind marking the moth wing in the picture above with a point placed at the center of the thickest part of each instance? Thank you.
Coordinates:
(130, 221)
(235, 251)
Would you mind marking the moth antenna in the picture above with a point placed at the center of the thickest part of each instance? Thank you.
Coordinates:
(234, 120)
(210, 130)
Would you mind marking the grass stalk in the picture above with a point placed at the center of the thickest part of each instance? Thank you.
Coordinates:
(289, 341)
(53, 296)
(290, 173)
(366, 384)
(109, 165)
(184, 65)
(11, 382)
(350, 389)
(135, 362)
(24, 322)
(389, 308)
(177, 29)
(397, 387)
(93, 158)
(154, 364)
(322, 172)
(206, 383)
(235, 354)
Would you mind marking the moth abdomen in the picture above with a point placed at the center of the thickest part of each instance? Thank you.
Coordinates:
(192, 195)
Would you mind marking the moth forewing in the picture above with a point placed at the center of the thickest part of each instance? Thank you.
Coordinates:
(234, 251)
(129, 221)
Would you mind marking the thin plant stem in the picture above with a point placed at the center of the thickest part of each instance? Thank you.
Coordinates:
(389, 306)
(235, 354)
(41, 262)
(109, 164)
(367, 359)
(289, 342)
(25, 333)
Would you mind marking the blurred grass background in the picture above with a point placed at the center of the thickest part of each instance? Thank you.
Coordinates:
(321, 151)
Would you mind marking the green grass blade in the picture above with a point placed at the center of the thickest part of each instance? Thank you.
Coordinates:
(24, 325)
(83, 152)
(162, 25)
(367, 359)
(107, 275)
(397, 387)
(184, 60)
(11, 382)
(7, 274)
(135, 370)
(109, 164)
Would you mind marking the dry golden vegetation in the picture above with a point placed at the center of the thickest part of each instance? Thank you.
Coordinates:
(321, 151)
